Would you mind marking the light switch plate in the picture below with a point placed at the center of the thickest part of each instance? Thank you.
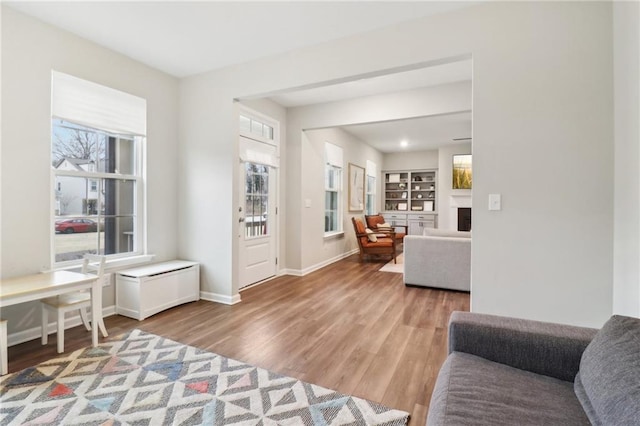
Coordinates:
(307, 203)
(495, 202)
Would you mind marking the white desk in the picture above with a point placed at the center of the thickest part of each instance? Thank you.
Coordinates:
(47, 284)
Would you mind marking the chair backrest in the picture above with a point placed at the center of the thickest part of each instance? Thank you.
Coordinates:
(93, 264)
(374, 220)
(360, 228)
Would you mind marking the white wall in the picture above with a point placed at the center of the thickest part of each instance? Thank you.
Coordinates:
(30, 51)
(626, 50)
(317, 250)
(534, 92)
(445, 183)
(413, 160)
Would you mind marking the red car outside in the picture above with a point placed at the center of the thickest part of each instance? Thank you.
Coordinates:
(69, 226)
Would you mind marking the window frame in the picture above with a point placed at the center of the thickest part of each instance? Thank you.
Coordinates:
(338, 191)
(370, 196)
(139, 198)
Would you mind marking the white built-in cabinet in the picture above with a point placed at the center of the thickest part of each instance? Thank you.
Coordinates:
(410, 199)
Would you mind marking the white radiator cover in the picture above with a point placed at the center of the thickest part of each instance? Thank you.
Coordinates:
(142, 292)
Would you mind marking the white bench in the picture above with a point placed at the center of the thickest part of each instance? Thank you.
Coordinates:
(142, 292)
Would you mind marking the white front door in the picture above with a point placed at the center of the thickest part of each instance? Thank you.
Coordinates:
(257, 251)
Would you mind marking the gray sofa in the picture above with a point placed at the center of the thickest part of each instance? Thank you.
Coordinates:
(507, 371)
(439, 258)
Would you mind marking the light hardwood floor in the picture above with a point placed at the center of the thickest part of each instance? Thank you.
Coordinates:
(347, 327)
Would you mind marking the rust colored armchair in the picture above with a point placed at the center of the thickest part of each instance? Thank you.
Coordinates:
(381, 245)
(374, 220)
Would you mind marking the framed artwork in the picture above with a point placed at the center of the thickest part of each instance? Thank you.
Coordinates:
(462, 176)
(356, 188)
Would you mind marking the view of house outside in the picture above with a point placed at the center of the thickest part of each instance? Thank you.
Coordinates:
(93, 212)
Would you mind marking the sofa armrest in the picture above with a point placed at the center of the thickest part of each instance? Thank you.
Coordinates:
(544, 348)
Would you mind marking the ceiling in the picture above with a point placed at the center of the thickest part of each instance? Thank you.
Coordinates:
(421, 134)
(186, 38)
(390, 83)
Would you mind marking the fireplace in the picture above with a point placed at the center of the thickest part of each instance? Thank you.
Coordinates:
(460, 212)
(464, 218)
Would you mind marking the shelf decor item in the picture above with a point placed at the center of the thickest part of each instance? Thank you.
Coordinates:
(402, 206)
(356, 188)
(428, 206)
(394, 178)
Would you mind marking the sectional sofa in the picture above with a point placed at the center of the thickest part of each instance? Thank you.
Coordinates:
(508, 371)
(439, 259)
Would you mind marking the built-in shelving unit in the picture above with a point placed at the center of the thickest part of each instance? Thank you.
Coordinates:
(410, 199)
(410, 191)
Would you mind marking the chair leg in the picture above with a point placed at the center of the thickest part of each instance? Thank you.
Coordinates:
(85, 318)
(103, 329)
(4, 363)
(60, 331)
(45, 325)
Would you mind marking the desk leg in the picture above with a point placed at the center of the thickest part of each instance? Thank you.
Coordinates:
(96, 310)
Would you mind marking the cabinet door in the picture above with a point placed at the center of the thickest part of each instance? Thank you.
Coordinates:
(416, 227)
(396, 219)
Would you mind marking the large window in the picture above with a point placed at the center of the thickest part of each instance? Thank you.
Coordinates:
(370, 198)
(333, 189)
(96, 180)
(96, 161)
(371, 195)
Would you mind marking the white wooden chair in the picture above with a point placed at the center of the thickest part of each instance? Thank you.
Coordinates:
(78, 301)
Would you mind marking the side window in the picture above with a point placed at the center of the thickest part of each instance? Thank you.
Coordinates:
(333, 189)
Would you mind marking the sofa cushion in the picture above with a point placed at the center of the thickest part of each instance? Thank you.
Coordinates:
(435, 232)
(608, 382)
(474, 391)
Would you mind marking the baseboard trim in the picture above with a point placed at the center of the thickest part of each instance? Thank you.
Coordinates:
(220, 298)
(35, 332)
(232, 300)
(320, 265)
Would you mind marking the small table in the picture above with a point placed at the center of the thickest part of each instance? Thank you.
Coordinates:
(47, 284)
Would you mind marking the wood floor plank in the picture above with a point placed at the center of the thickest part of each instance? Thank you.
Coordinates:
(346, 326)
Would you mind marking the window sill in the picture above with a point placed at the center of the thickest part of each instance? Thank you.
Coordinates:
(114, 264)
(334, 235)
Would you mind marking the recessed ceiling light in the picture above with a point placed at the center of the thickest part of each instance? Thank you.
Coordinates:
(404, 144)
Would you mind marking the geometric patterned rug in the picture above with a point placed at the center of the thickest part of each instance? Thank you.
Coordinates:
(144, 379)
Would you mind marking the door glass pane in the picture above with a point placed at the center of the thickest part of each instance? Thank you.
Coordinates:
(256, 199)
(245, 124)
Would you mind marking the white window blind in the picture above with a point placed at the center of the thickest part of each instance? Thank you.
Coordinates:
(93, 105)
(371, 168)
(333, 154)
(258, 152)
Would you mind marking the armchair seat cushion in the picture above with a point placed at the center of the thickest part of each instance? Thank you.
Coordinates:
(382, 242)
(475, 391)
